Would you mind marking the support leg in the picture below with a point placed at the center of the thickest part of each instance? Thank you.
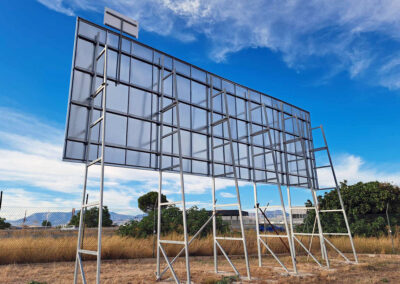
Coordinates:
(185, 231)
(288, 231)
(291, 230)
(81, 225)
(257, 226)
(320, 232)
(214, 228)
(159, 223)
(246, 256)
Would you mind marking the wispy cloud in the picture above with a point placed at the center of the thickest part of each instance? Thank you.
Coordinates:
(347, 36)
(58, 5)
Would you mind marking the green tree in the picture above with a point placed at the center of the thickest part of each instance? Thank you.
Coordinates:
(4, 224)
(91, 218)
(172, 222)
(365, 205)
(148, 202)
(46, 223)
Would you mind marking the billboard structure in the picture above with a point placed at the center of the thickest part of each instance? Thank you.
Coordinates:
(131, 105)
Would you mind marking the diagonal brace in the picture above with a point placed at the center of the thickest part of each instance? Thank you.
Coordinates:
(304, 247)
(273, 254)
(227, 258)
(273, 227)
(337, 250)
(183, 249)
(169, 264)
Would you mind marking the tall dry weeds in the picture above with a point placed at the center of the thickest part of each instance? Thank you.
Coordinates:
(25, 249)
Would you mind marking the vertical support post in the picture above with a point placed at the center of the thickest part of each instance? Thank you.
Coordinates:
(159, 222)
(324, 252)
(185, 233)
(160, 81)
(214, 227)
(315, 185)
(78, 259)
(291, 229)
(236, 185)
(257, 225)
(291, 240)
(288, 232)
(162, 109)
(103, 136)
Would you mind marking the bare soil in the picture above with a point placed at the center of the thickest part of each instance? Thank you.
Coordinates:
(371, 269)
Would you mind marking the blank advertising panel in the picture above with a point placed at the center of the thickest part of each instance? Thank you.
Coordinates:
(132, 114)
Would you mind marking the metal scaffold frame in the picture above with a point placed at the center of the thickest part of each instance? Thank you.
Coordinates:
(264, 155)
(218, 117)
(162, 110)
(336, 187)
(95, 91)
(313, 185)
(224, 121)
(302, 158)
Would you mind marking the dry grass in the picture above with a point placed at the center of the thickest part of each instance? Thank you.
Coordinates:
(372, 269)
(25, 249)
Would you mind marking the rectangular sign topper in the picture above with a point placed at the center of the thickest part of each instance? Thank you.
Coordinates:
(120, 22)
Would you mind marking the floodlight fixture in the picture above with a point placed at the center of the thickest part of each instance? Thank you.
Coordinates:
(120, 22)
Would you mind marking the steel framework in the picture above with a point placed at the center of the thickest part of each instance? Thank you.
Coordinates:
(133, 122)
(101, 120)
(272, 153)
(168, 108)
(336, 188)
(308, 159)
(277, 142)
(221, 121)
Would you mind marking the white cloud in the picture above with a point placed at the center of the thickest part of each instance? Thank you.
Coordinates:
(227, 195)
(354, 169)
(342, 32)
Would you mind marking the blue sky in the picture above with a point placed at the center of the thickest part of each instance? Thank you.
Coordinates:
(339, 60)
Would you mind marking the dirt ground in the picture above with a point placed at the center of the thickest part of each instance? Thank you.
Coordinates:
(371, 269)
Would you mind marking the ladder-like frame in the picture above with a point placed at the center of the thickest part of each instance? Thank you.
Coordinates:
(225, 120)
(162, 110)
(337, 188)
(102, 119)
(271, 151)
(301, 157)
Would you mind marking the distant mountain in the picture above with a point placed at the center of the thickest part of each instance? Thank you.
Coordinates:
(36, 219)
(62, 218)
(120, 219)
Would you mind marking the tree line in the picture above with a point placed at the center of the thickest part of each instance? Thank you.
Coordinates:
(365, 204)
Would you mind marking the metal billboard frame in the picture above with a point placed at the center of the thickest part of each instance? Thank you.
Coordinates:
(242, 142)
(300, 136)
